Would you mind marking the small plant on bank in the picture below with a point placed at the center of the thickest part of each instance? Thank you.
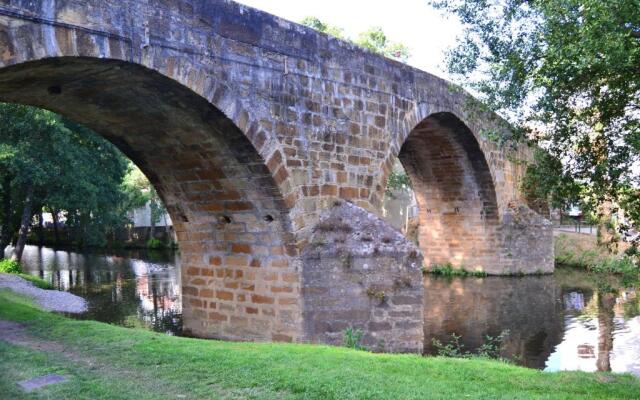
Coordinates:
(10, 267)
(451, 349)
(489, 349)
(449, 270)
(353, 339)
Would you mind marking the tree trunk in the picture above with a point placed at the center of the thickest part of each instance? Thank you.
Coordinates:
(24, 225)
(152, 218)
(40, 228)
(56, 233)
(607, 232)
(5, 235)
(166, 229)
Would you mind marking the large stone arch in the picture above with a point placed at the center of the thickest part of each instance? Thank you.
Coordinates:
(240, 277)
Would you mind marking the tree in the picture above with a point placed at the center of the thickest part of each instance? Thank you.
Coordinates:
(566, 74)
(139, 192)
(315, 23)
(374, 39)
(47, 161)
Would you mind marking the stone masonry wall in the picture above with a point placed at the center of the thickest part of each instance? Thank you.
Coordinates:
(359, 273)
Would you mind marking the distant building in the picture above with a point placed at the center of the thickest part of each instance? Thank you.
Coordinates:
(141, 217)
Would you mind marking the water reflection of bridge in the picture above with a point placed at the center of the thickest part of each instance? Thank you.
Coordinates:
(555, 322)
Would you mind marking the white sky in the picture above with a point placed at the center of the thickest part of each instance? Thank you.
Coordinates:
(424, 30)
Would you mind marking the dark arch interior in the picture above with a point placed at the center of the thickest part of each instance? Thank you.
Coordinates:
(217, 189)
(458, 213)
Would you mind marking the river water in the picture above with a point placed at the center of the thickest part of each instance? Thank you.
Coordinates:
(565, 321)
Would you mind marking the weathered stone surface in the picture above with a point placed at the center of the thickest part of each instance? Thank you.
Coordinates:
(360, 273)
(250, 126)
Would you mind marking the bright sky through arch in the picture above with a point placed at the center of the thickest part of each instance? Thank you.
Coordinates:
(426, 32)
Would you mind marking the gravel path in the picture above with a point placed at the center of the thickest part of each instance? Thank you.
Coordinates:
(51, 300)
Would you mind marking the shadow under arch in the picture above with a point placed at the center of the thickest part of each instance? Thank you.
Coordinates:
(227, 209)
(458, 211)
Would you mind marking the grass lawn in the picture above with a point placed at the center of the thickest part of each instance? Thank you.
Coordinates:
(104, 361)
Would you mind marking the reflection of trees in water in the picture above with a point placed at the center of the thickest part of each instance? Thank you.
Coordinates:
(165, 315)
(123, 288)
(606, 314)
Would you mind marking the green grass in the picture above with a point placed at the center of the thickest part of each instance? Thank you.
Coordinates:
(132, 362)
(38, 282)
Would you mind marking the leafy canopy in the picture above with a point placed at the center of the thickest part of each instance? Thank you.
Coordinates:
(567, 74)
(70, 168)
(373, 39)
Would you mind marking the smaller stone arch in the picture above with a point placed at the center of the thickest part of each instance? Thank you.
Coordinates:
(458, 211)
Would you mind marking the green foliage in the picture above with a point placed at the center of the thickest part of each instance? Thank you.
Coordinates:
(75, 172)
(155, 244)
(571, 251)
(373, 39)
(70, 168)
(567, 74)
(623, 266)
(547, 182)
(315, 23)
(353, 339)
(490, 348)
(397, 181)
(449, 270)
(10, 267)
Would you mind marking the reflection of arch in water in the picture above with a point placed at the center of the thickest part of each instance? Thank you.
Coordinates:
(529, 307)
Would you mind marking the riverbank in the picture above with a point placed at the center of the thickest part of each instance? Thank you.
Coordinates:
(579, 250)
(105, 361)
(51, 300)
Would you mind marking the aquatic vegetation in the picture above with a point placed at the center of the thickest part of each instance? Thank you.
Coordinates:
(449, 270)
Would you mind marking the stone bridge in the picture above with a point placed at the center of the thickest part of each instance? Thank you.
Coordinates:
(252, 128)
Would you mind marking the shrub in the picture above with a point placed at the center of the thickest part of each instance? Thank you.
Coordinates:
(10, 267)
(353, 338)
(489, 349)
(155, 244)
